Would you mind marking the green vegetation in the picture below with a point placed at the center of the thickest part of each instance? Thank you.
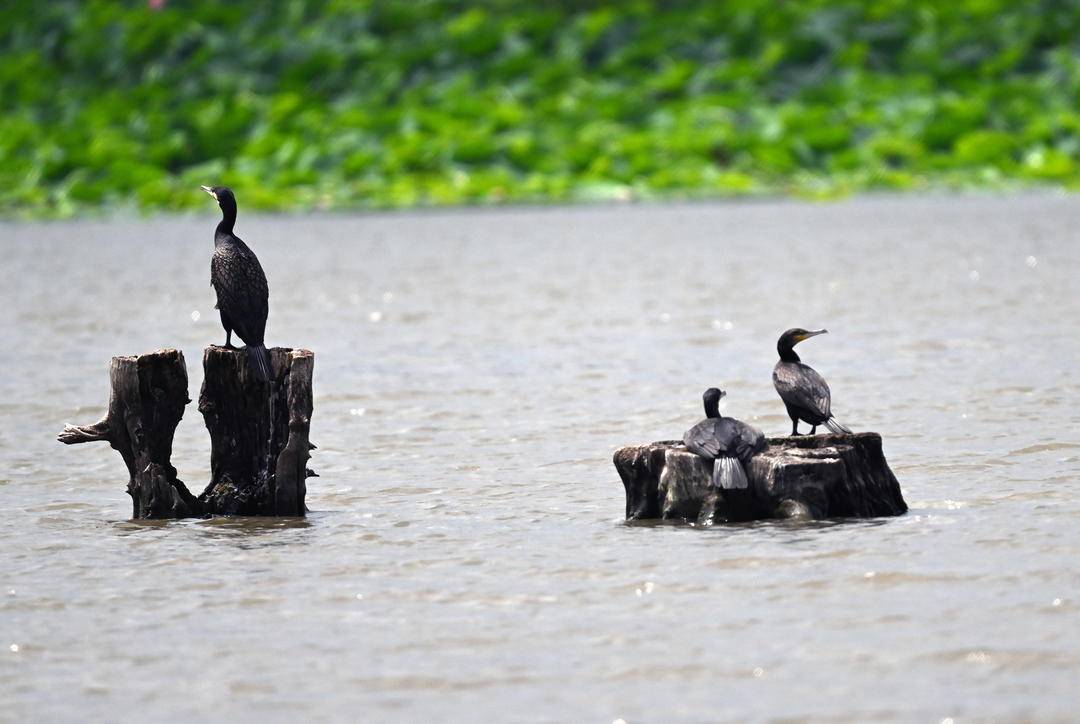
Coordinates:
(333, 104)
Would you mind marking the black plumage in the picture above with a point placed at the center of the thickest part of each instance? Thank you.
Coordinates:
(240, 283)
(725, 439)
(804, 392)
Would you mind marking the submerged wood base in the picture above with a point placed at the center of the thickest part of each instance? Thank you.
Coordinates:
(258, 432)
(805, 477)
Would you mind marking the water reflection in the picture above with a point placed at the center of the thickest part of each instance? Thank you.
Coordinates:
(238, 528)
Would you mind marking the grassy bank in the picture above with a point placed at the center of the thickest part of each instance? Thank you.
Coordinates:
(338, 104)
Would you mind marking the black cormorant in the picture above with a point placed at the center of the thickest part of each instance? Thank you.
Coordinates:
(724, 439)
(802, 389)
(238, 279)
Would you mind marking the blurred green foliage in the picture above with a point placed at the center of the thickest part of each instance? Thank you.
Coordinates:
(330, 104)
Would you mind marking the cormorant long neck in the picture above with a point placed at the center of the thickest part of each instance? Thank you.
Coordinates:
(228, 217)
(787, 351)
(712, 409)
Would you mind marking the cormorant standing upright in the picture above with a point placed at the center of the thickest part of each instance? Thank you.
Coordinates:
(724, 439)
(238, 279)
(803, 390)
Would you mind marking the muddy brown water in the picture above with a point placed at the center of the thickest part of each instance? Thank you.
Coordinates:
(465, 558)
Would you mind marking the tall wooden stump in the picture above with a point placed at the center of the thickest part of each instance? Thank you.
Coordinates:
(258, 432)
(146, 401)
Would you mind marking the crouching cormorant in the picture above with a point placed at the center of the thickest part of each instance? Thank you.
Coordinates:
(803, 390)
(729, 441)
(238, 279)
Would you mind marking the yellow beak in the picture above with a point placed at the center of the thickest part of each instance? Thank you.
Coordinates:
(815, 333)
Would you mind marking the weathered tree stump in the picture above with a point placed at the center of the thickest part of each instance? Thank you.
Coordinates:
(806, 477)
(146, 401)
(258, 432)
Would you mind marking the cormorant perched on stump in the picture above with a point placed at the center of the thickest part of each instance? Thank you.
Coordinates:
(238, 279)
(803, 390)
(724, 439)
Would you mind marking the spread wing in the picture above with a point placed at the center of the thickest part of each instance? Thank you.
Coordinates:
(242, 292)
(702, 439)
(748, 442)
(724, 436)
(801, 386)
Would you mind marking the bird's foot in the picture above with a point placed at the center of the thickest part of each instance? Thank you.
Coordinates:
(229, 345)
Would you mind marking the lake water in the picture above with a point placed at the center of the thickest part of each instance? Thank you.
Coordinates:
(465, 558)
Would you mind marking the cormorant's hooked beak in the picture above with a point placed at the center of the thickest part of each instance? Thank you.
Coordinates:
(209, 190)
(723, 394)
(813, 333)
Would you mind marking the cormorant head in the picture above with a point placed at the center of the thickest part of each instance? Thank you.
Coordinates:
(792, 337)
(227, 202)
(223, 195)
(712, 401)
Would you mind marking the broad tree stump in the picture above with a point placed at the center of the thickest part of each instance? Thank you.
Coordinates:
(258, 432)
(146, 401)
(805, 477)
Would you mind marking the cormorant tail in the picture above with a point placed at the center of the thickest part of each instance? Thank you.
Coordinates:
(834, 426)
(260, 361)
(728, 473)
